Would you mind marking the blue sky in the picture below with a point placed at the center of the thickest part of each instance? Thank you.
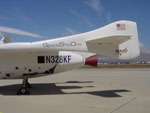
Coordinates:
(57, 18)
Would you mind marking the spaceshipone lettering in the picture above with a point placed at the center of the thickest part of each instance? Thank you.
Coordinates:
(54, 59)
(61, 44)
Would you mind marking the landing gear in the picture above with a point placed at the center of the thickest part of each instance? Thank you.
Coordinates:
(24, 90)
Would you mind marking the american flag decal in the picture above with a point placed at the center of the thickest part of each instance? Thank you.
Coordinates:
(121, 26)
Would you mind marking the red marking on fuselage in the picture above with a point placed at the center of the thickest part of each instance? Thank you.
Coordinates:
(121, 50)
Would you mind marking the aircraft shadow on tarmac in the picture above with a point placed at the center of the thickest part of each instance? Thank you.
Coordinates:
(53, 89)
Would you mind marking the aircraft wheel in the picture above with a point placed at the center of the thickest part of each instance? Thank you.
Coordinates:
(23, 91)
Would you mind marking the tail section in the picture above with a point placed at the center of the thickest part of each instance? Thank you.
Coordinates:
(132, 45)
(117, 40)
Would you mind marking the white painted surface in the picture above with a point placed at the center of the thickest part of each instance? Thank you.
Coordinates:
(105, 41)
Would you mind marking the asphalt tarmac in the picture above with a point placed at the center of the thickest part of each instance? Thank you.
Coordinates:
(81, 91)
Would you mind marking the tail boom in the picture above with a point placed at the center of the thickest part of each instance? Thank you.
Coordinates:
(117, 40)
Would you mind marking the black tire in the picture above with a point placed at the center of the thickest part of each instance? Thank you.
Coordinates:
(23, 91)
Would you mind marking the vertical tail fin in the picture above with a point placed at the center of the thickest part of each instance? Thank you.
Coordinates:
(132, 45)
(117, 40)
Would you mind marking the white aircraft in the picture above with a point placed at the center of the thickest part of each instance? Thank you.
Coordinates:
(34, 59)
